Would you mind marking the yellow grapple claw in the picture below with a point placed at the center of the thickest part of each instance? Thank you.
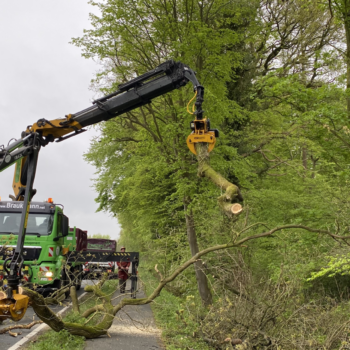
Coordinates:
(13, 308)
(208, 137)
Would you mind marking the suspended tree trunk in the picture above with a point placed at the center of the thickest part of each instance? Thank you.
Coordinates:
(228, 201)
(202, 280)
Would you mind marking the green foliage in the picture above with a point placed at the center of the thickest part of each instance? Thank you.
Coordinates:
(338, 264)
(274, 77)
(62, 340)
(99, 235)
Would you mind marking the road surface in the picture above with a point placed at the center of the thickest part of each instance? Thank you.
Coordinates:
(133, 328)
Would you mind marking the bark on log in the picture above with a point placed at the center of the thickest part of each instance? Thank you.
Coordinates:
(97, 308)
(43, 311)
(56, 323)
(228, 201)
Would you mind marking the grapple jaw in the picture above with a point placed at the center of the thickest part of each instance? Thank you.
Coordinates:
(13, 308)
(201, 133)
(208, 137)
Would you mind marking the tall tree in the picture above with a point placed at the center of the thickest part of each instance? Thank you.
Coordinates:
(272, 74)
(130, 37)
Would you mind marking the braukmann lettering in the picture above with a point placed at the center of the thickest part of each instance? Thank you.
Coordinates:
(20, 206)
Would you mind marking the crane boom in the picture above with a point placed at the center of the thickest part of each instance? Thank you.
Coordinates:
(135, 93)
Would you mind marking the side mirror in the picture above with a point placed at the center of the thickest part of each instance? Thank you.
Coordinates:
(65, 226)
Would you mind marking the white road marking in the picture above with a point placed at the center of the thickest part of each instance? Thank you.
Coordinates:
(37, 330)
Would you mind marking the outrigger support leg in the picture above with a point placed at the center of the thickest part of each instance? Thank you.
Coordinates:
(133, 279)
(12, 304)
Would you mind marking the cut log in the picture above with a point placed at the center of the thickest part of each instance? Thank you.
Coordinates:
(236, 208)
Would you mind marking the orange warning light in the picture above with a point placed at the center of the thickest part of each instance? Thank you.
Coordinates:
(50, 200)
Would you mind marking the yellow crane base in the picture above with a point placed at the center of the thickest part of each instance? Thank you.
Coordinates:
(13, 308)
(208, 137)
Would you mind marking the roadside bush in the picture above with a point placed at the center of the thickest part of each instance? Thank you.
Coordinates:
(273, 315)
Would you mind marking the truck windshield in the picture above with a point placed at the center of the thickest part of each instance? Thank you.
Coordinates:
(101, 245)
(37, 223)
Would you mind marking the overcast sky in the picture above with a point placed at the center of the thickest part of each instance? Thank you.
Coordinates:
(43, 76)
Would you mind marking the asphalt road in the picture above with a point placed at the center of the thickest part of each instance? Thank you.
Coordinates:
(133, 328)
(6, 341)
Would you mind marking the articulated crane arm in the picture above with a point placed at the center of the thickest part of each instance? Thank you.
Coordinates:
(135, 93)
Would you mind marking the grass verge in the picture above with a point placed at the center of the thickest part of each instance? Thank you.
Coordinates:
(62, 340)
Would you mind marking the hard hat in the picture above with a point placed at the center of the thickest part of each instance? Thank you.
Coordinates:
(122, 248)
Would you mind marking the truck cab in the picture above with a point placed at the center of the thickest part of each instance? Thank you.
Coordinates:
(47, 243)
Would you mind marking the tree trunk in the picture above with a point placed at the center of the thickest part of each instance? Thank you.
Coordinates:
(304, 156)
(202, 281)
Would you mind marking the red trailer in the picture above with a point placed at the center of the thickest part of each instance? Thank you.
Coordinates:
(95, 269)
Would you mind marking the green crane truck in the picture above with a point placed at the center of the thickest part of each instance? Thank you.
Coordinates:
(48, 243)
(24, 152)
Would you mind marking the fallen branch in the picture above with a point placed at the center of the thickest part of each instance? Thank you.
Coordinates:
(19, 326)
(109, 311)
(57, 324)
(96, 288)
(92, 310)
(159, 273)
(197, 256)
(74, 297)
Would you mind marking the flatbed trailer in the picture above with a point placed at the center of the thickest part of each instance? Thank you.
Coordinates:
(131, 257)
